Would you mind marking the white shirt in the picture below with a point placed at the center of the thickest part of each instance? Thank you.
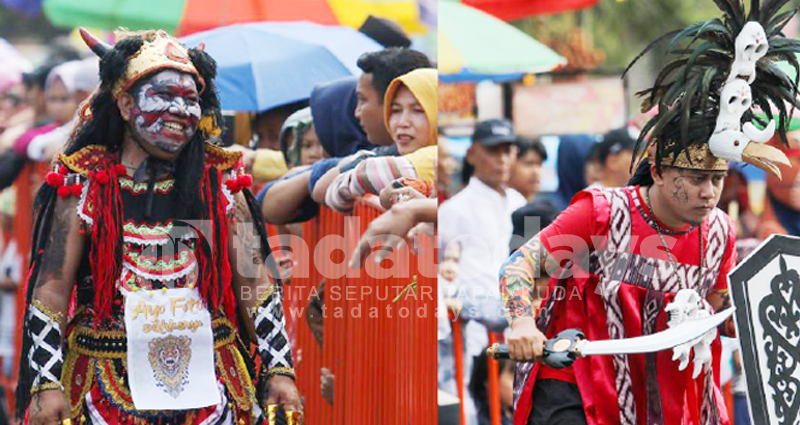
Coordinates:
(479, 217)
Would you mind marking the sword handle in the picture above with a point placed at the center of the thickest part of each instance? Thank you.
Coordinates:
(497, 351)
(559, 351)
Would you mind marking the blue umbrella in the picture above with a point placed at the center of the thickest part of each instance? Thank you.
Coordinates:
(268, 64)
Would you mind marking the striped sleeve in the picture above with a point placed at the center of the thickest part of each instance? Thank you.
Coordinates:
(370, 176)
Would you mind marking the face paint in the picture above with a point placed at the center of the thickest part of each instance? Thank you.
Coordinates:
(679, 193)
(166, 113)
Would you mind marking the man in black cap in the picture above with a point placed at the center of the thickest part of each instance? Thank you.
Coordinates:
(492, 153)
(615, 154)
(479, 218)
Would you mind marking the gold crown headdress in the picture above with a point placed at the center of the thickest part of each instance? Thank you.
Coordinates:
(159, 51)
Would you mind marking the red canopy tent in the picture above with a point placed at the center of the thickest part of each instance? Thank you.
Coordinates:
(512, 10)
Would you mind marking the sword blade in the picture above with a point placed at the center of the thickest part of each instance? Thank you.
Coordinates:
(687, 331)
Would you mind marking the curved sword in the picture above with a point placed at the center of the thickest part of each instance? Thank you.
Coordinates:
(570, 344)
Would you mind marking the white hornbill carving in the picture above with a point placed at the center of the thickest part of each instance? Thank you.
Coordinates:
(736, 142)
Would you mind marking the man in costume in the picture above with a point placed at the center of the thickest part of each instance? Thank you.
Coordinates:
(150, 272)
(658, 252)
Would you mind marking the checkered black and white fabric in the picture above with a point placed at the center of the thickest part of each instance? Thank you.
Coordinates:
(46, 357)
(273, 342)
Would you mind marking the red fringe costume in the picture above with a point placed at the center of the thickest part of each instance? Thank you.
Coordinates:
(95, 364)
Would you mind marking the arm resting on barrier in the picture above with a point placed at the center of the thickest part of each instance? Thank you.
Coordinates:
(374, 174)
(286, 197)
(392, 227)
(324, 182)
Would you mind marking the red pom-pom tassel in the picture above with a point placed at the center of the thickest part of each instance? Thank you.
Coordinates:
(121, 170)
(54, 179)
(245, 181)
(64, 191)
(233, 185)
(77, 190)
(101, 176)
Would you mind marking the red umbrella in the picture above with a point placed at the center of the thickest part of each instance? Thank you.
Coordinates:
(512, 10)
(197, 17)
(190, 16)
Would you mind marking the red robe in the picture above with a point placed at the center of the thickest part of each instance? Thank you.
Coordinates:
(611, 292)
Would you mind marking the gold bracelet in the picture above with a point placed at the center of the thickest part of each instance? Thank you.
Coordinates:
(283, 371)
(46, 386)
(264, 294)
(53, 315)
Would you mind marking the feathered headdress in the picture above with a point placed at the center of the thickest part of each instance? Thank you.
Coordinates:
(724, 68)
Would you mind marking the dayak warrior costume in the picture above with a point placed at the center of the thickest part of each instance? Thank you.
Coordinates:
(631, 275)
(155, 332)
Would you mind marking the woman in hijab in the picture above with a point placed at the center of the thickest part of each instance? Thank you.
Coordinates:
(67, 86)
(410, 115)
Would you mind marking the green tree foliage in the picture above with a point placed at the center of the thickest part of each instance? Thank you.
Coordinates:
(622, 28)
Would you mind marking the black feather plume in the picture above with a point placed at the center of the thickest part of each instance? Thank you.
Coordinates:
(687, 89)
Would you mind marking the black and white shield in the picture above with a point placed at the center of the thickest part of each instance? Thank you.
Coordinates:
(765, 288)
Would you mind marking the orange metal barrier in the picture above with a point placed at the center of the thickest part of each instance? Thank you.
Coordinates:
(458, 360)
(382, 352)
(494, 384)
(26, 185)
(493, 377)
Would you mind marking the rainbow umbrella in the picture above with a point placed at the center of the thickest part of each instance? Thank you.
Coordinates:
(474, 45)
(189, 16)
(512, 10)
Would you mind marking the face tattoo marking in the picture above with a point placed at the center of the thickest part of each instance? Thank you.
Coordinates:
(167, 111)
(680, 194)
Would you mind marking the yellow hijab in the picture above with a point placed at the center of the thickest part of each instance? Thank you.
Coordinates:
(423, 84)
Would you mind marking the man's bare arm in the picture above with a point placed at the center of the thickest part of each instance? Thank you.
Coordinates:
(284, 198)
(517, 282)
(46, 318)
(61, 258)
(518, 278)
(321, 187)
